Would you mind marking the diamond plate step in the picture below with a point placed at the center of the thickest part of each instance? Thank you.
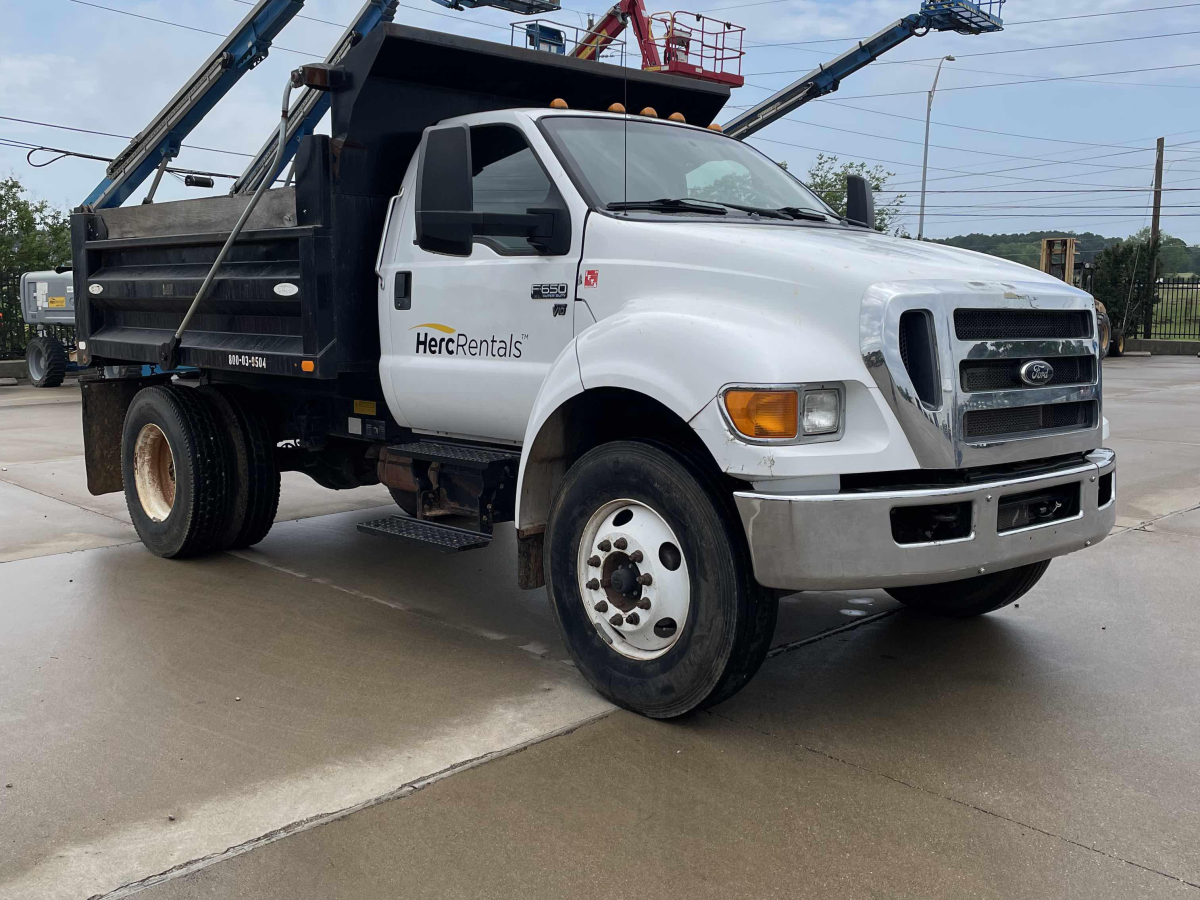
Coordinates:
(466, 455)
(445, 538)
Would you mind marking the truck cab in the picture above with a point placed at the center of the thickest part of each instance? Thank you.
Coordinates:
(690, 384)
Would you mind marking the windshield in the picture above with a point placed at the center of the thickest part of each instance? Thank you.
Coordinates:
(628, 161)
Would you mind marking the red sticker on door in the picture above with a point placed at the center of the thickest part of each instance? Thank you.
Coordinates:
(591, 278)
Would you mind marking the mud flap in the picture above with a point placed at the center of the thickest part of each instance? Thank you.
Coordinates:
(105, 403)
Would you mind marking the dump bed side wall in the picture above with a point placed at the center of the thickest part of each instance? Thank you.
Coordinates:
(296, 295)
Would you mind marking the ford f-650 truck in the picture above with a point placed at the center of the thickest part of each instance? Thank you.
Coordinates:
(690, 384)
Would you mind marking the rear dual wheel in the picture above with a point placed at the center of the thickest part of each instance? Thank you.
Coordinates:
(651, 582)
(199, 471)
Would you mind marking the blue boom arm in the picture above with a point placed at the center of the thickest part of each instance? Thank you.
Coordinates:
(311, 105)
(935, 15)
(244, 49)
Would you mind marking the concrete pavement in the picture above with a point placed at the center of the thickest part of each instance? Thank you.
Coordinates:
(1046, 750)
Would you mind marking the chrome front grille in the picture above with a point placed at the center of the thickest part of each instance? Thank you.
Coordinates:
(1025, 420)
(1005, 374)
(1021, 324)
(983, 412)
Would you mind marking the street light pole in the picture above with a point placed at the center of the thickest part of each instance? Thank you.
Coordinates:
(925, 164)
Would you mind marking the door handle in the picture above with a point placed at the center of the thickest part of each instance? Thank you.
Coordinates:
(402, 291)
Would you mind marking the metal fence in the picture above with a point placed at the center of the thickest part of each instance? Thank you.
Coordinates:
(1176, 310)
(14, 333)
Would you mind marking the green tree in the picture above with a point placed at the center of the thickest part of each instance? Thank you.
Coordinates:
(33, 234)
(827, 178)
(1121, 281)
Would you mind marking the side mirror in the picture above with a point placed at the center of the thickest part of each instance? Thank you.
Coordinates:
(445, 217)
(860, 202)
(443, 201)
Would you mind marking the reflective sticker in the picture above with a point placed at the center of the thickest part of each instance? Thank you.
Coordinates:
(364, 407)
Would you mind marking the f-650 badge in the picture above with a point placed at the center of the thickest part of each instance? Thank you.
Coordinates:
(548, 292)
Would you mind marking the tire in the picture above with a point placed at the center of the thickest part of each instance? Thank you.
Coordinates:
(254, 497)
(728, 619)
(46, 359)
(1116, 345)
(175, 464)
(972, 596)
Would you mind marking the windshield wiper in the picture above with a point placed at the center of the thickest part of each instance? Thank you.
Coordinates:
(667, 205)
(797, 212)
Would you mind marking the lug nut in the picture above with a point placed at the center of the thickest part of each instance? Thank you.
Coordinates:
(601, 607)
(620, 543)
(594, 584)
(645, 578)
(644, 603)
(636, 556)
(605, 546)
(617, 621)
(594, 561)
(632, 618)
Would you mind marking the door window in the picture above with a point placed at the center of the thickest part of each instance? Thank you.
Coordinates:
(507, 179)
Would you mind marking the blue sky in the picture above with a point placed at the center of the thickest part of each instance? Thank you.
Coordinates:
(69, 63)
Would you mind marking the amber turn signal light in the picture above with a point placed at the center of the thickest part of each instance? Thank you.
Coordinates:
(766, 415)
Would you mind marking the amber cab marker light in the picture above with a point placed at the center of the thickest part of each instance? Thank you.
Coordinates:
(650, 111)
(558, 103)
(677, 117)
(307, 365)
(617, 108)
(715, 127)
(764, 415)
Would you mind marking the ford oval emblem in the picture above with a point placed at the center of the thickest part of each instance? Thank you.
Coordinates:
(1037, 372)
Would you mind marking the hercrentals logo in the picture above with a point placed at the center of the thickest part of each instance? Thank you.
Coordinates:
(457, 343)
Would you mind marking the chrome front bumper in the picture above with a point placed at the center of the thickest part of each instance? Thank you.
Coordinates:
(844, 541)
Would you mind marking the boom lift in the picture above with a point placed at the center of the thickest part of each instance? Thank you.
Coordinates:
(935, 15)
(247, 45)
(159, 142)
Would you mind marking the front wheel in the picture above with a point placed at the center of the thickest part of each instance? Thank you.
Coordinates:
(651, 582)
(973, 596)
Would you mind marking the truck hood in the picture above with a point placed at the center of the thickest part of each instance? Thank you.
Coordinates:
(851, 258)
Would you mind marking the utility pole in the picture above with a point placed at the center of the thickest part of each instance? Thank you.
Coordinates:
(925, 164)
(1155, 222)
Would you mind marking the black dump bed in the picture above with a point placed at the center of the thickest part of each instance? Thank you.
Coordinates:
(297, 294)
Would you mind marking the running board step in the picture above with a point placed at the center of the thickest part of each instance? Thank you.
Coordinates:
(465, 456)
(446, 538)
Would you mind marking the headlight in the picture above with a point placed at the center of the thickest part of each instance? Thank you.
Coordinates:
(784, 413)
(822, 412)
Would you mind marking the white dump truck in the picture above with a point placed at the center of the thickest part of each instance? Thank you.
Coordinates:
(689, 383)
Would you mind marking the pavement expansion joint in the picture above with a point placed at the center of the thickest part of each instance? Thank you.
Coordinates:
(315, 821)
(851, 626)
(979, 809)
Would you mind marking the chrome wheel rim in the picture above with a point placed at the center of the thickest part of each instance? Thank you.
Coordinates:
(633, 579)
(154, 472)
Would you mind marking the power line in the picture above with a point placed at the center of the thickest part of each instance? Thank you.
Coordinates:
(1118, 12)
(35, 148)
(124, 137)
(125, 12)
(920, 59)
(431, 12)
(972, 87)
